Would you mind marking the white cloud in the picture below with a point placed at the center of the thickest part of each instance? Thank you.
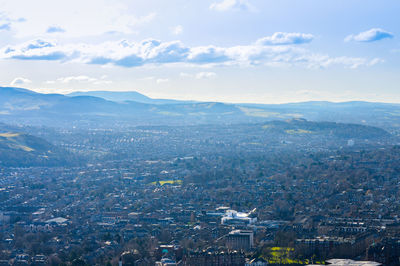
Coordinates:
(76, 78)
(77, 18)
(20, 81)
(81, 79)
(158, 81)
(376, 61)
(154, 79)
(5, 26)
(147, 78)
(286, 38)
(200, 75)
(226, 5)
(178, 30)
(371, 35)
(325, 61)
(154, 52)
(7, 22)
(55, 29)
(205, 75)
(185, 75)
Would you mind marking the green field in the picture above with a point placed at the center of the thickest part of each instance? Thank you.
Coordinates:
(283, 255)
(170, 182)
(298, 131)
(12, 141)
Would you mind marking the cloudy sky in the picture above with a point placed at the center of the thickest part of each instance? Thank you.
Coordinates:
(264, 51)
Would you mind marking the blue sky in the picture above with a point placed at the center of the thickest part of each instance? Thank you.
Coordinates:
(260, 51)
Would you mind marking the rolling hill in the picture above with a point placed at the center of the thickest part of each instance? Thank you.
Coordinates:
(18, 149)
(124, 96)
(107, 109)
(302, 127)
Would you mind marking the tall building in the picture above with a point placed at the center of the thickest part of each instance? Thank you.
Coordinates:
(240, 240)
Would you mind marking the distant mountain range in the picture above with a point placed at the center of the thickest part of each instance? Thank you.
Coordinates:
(107, 109)
(122, 96)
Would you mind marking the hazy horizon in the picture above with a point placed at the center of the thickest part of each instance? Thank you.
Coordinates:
(67, 93)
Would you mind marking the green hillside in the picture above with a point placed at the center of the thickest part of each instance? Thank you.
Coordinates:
(24, 150)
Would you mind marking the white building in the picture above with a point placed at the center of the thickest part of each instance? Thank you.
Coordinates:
(232, 217)
(347, 262)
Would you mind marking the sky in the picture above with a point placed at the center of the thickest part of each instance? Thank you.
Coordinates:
(259, 51)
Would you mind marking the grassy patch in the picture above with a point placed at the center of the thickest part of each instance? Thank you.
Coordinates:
(258, 112)
(11, 140)
(284, 255)
(170, 182)
(267, 126)
(25, 148)
(9, 135)
(169, 113)
(298, 131)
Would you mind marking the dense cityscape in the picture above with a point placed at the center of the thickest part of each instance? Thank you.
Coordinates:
(255, 194)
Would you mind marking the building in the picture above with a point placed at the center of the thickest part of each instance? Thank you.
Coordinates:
(232, 217)
(240, 240)
(166, 262)
(215, 259)
(351, 262)
(257, 262)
